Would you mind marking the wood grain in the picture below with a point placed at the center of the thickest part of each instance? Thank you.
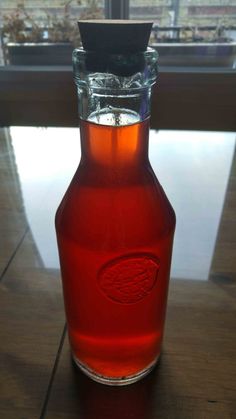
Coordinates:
(13, 223)
(195, 378)
(31, 309)
(31, 324)
(224, 259)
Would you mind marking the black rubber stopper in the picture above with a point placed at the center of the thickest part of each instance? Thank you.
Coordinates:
(115, 36)
(116, 46)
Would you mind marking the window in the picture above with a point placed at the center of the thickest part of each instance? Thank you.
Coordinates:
(189, 33)
(197, 78)
(36, 33)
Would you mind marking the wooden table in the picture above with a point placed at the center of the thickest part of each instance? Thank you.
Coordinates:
(196, 376)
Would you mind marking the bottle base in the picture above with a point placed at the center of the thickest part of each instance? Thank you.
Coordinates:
(114, 381)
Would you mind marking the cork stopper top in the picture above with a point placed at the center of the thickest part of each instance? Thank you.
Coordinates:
(115, 36)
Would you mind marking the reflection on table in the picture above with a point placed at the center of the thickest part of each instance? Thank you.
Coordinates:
(193, 168)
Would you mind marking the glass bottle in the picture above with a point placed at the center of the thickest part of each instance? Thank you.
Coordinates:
(115, 225)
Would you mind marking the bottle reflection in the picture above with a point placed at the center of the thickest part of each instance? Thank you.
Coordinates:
(100, 401)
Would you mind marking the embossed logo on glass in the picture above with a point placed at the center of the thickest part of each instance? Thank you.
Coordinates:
(130, 278)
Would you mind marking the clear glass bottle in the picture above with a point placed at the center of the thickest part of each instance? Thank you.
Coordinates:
(115, 225)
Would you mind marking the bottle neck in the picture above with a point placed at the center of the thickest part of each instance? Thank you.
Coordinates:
(95, 103)
(114, 147)
(114, 95)
(107, 83)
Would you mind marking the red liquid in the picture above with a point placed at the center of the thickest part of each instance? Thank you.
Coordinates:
(115, 230)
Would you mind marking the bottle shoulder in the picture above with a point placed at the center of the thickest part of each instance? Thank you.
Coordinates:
(126, 211)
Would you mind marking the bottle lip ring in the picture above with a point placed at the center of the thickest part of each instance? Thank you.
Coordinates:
(147, 52)
(122, 92)
(96, 64)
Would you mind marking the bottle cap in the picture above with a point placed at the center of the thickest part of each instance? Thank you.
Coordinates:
(115, 36)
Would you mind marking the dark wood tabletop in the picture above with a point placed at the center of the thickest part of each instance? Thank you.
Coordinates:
(196, 375)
